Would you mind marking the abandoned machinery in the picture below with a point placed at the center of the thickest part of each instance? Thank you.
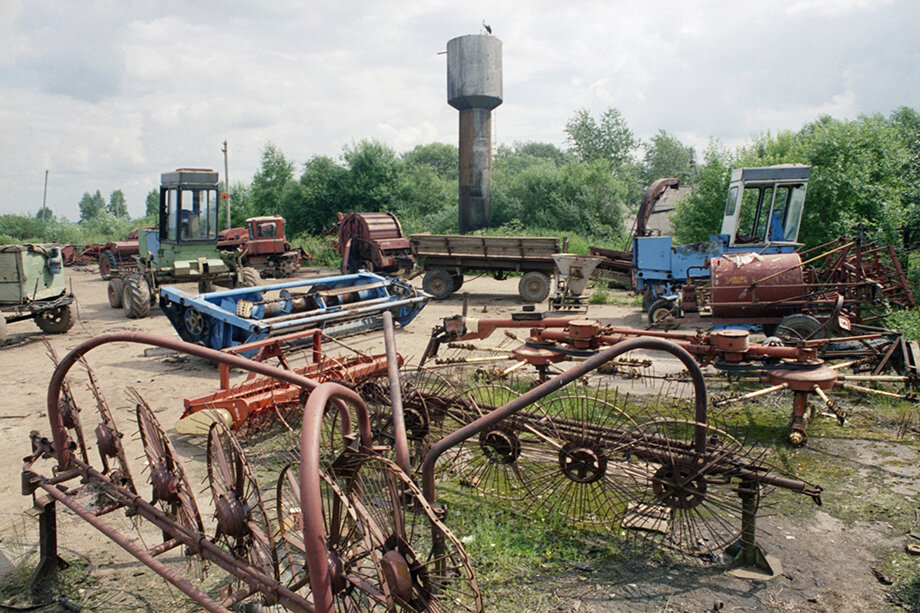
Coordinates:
(797, 367)
(350, 528)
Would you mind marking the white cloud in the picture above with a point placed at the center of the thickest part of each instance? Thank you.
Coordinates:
(107, 95)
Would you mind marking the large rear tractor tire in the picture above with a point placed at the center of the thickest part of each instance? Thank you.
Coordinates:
(55, 321)
(249, 277)
(115, 290)
(136, 297)
(107, 264)
(439, 283)
(534, 287)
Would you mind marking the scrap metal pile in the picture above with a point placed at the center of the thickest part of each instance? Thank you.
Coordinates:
(346, 527)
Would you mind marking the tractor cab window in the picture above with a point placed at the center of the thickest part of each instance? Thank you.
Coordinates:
(267, 230)
(172, 205)
(794, 203)
(755, 209)
(198, 214)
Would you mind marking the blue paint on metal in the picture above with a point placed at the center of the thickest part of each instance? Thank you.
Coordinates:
(343, 303)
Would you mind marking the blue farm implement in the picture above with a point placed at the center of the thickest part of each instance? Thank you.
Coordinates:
(341, 305)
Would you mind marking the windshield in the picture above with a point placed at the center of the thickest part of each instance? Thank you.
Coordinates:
(198, 214)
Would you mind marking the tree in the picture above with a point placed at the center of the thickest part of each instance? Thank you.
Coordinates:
(117, 206)
(91, 206)
(320, 194)
(152, 203)
(44, 214)
(610, 140)
(269, 182)
(372, 178)
(666, 156)
(699, 214)
(443, 159)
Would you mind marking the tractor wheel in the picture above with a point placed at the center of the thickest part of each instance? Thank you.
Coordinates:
(115, 290)
(647, 299)
(289, 266)
(534, 287)
(55, 321)
(107, 264)
(3, 331)
(249, 277)
(205, 286)
(438, 283)
(798, 327)
(135, 297)
(660, 309)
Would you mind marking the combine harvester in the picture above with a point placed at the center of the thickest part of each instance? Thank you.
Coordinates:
(340, 305)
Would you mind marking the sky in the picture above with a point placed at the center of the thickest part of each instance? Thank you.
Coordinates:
(107, 94)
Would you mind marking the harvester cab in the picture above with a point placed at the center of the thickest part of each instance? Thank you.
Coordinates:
(764, 206)
(763, 212)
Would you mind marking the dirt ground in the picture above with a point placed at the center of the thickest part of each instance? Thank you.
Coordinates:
(827, 560)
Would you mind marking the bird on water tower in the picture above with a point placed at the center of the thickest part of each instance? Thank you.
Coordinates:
(486, 26)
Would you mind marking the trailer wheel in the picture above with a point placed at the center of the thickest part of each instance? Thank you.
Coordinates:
(660, 309)
(798, 327)
(196, 325)
(55, 321)
(534, 287)
(249, 277)
(135, 297)
(107, 264)
(439, 283)
(115, 289)
(458, 280)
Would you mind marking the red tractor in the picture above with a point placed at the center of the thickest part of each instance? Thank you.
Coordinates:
(264, 246)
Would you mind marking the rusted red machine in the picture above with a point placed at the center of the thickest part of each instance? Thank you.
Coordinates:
(374, 242)
(264, 246)
(117, 254)
(263, 398)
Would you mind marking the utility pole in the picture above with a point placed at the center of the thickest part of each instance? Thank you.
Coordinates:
(45, 196)
(226, 182)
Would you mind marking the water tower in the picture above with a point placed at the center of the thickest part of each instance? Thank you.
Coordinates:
(474, 87)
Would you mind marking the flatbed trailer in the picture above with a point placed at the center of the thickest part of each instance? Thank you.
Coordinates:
(445, 258)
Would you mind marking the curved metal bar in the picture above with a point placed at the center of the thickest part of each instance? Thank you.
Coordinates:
(311, 504)
(396, 403)
(559, 381)
(59, 434)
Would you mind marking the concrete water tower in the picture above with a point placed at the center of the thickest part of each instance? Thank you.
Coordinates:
(474, 87)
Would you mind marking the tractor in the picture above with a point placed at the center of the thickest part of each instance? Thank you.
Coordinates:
(182, 248)
(264, 247)
(32, 286)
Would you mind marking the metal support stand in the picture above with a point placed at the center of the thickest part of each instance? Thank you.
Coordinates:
(49, 562)
(750, 561)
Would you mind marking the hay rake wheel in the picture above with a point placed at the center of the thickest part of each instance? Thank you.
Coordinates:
(68, 408)
(357, 582)
(491, 463)
(171, 489)
(428, 399)
(576, 458)
(243, 526)
(690, 504)
(108, 437)
(424, 565)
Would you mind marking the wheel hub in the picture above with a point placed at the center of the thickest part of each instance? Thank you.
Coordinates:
(500, 446)
(396, 574)
(165, 483)
(582, 462)
(107, 441)
(679, 486)
(232, 514)
(194, 323)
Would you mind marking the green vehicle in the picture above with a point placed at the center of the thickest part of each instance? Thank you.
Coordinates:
(32, 286)
(182, 248)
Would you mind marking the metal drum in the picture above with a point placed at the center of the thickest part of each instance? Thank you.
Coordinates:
(751, 284)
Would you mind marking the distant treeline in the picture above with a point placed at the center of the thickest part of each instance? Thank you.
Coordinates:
(865, 173)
